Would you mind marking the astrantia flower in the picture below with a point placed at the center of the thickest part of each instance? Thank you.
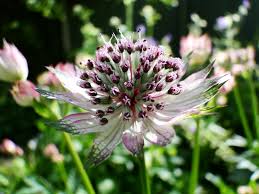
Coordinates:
(13, 65)
(131, 92)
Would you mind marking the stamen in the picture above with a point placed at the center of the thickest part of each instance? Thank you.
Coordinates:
(160, 106)
(84, 76)
(142, 114)
(92, 92)
(128, 85)
(85, 85)
(110, 110)
(103, 121)
(115, 91)
(126, 116)
(100, 113)
(159, 87)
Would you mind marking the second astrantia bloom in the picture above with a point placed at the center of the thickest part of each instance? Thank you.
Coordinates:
(131, 92)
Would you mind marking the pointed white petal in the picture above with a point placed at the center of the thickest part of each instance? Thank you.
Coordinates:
(70, 82)
(75, 99)
(190, 98)
(105, 142)
(157, 133)
(81, 123)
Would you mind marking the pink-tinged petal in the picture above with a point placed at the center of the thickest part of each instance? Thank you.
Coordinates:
(195, 96)
(105, 142)
(134, 142)
(70, 82)
(158, 134)
(81, 123)
(75, 99)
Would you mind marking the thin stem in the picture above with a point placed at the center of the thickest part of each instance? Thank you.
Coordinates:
(79, 165)
(145, 185)
(242, 115)
(63, 174)
(129, 5)
(254, 103)
(195, 160)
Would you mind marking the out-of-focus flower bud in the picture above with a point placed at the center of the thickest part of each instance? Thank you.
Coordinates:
(229, 85)
(236, 60)
(51, 151)
(47, 78)
(13, 65)
(24, 93)
(222, 100)
(245, 190)
(10, 148)
(200, 46)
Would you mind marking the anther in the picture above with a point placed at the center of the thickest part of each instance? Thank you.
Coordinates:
(92, 92)
(115, 91)
(85, 85)
(115, 78)
(100, 113)
(126, 116)
(160, 106)
(110, 109)
(90, 64)
(142, 114)
(103, 121)
(128, 85)
(84, 76)
(159, 87)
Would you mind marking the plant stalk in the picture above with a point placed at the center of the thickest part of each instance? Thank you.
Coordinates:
(254, 103)
(79, 165)
(195, 160)
(145, 184)
(242, 115)
(129, 6)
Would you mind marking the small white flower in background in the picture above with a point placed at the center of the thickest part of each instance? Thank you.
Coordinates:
(48, 78)
(199, 46)
(10, 148)
(13, 65)
(24, 93)
(132, 91)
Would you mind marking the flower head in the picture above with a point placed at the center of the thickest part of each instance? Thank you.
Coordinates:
(131, 92)
(13, 65)
(200, 46)
(24, 93)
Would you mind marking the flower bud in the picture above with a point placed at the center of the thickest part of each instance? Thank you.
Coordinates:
(13, 65)
(24, 93)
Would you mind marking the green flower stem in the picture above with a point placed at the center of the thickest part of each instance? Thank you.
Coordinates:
(254, 103)
(79, 165)
(195, 160)
(63, 174)
(145, 185)
(242, 115)
(129, 5)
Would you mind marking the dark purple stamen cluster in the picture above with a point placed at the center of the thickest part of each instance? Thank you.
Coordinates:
(135, 88)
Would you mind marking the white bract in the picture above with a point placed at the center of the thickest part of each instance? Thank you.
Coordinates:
(131, 92)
